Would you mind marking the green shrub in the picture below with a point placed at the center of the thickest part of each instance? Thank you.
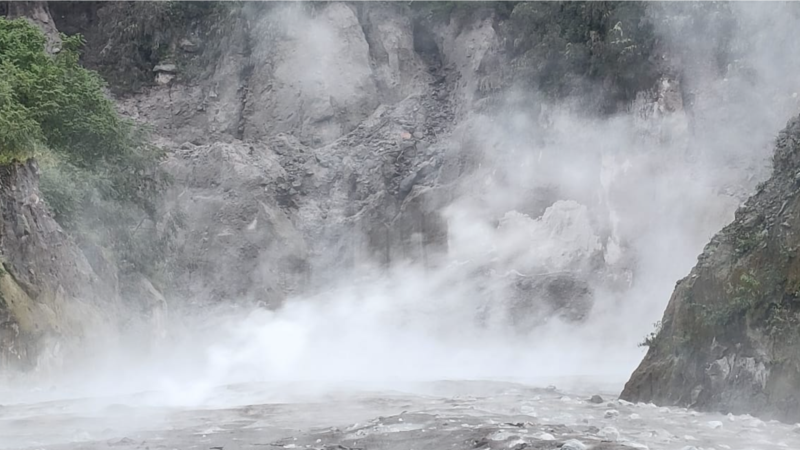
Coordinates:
(99, 176)
(53, 100)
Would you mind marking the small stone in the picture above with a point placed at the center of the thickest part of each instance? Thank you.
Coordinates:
(418, 135)
(596, 399)
(611, 413)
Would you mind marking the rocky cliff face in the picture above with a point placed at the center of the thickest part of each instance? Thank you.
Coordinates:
(333, 137)
(310, 140)
(53, 305)
(729, 337)
(301, 154)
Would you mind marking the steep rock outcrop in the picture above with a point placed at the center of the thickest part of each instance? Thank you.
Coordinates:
(730, 336)
(51, 301)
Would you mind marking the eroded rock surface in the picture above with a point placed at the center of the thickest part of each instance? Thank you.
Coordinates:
(728, 339)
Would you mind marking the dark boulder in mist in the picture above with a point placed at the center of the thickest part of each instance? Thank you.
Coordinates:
(730, 336)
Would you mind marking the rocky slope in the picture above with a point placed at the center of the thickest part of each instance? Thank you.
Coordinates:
(729, 337)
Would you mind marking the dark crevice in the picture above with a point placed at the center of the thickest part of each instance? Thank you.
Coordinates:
(244, 79)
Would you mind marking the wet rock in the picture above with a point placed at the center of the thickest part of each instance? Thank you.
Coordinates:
(596, 399)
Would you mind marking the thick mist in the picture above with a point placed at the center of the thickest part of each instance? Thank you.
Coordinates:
(645, 190)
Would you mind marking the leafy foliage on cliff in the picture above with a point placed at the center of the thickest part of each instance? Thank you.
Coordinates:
(97, 170)
(54, 101)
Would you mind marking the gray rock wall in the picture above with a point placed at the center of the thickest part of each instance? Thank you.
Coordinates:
(53, 305)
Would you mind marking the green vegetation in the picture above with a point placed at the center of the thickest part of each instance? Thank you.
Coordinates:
(99, 176)
(651, 339)
(741, 299)
(748, 240)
